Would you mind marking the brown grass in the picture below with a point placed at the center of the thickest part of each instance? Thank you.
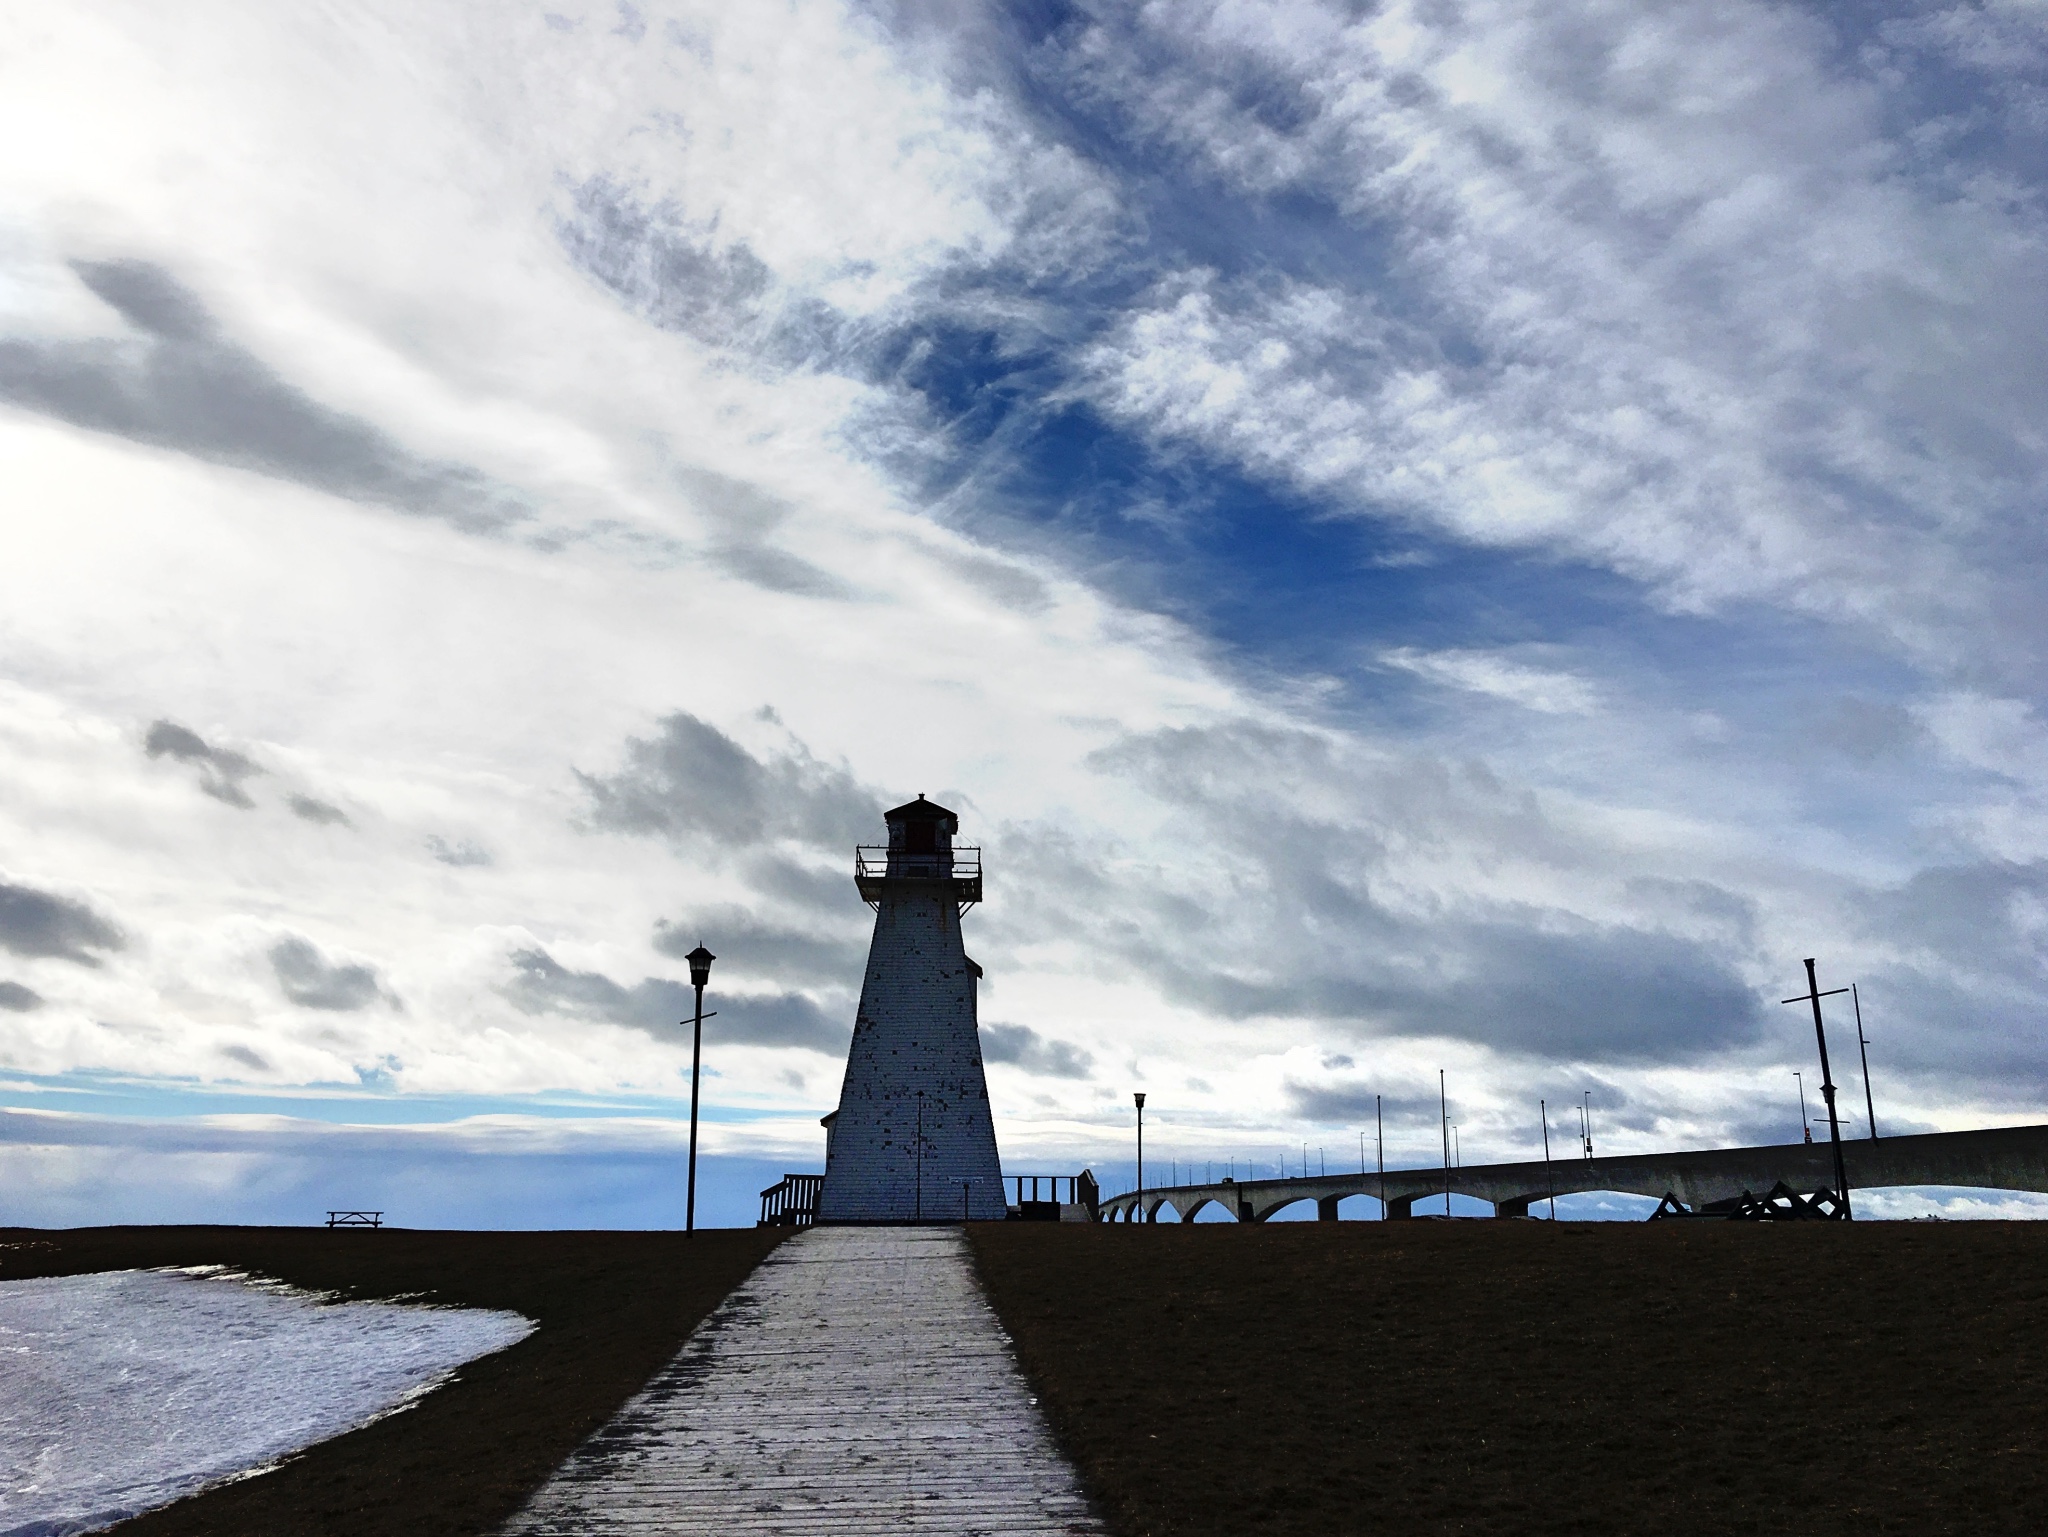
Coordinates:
(612, 1308)
(1528, 1378)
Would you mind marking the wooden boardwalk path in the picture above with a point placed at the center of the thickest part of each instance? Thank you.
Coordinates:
(856, 1383)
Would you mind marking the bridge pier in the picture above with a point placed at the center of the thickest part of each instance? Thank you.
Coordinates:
(1515, 1206)
(1401, 1207)
(1326, 1208)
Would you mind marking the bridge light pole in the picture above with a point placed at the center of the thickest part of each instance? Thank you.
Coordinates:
(1863, 1046)
(1380, 1143)
(1443, 1111)
(1550, 1183)
(1139, 1098)
(1813, 995)
(1805, 1125)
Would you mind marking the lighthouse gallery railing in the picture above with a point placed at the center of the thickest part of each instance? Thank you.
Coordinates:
(874, 863)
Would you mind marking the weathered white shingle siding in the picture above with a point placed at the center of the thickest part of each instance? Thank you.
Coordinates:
(915, 1034)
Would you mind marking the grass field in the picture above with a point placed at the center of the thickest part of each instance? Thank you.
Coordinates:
(611, 1308)
(1525, 1378)
(1413, 1378)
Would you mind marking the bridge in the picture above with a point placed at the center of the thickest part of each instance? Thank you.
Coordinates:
(2003, 1158)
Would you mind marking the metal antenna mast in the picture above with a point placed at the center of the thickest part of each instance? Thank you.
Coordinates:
(1813, 995)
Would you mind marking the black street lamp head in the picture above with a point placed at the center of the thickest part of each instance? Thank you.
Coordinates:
(1140, 1098)
(700, 960)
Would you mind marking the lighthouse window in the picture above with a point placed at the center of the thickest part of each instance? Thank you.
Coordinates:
(921, 837)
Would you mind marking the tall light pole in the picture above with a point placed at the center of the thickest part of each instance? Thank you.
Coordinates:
(1804, 1124)
(1863, 1046)
(1379, 1133)
(1813, 995)
(1139, 1099)
(1443, 1104)
(1543, 1109)
(700, 960)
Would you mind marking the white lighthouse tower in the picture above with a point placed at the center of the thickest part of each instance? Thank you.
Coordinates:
(912, 1139)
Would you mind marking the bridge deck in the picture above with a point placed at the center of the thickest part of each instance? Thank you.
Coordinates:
(2003, 1158)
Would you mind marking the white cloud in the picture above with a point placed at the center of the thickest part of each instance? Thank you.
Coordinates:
(612, 283)
(1545, 690)
(1710, 324)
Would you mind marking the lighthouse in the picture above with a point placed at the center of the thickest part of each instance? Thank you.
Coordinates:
(912, 1139)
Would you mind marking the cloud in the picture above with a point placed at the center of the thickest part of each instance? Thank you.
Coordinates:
(664, 1007)
(38, 924)
(692, 781)
(1022, 1047)
(246, 1057)
(221, 771)
(178, 382)
(1571, 281)
(745, 516)
(309, 979)
(1500, 677)
(680, 279)
(460, 852)
(753, 950)
(1340, 905)
(318, 812)
(1955, 975)
(484, 1170)
(17, 999)
(1186, 428)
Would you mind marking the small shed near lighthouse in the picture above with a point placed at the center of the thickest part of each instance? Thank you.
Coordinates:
(913, 1139)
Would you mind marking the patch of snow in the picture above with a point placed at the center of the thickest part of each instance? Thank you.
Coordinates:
(128, 1389)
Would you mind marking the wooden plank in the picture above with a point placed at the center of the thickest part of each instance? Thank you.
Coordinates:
(857, 1382)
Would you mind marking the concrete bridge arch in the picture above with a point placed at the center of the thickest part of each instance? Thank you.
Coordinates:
(2001, 1158)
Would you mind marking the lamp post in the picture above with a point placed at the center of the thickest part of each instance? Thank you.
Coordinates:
(1444, 1124)
(700, 960)
(1379, 1136)
(1139, 1098)
(1863, 1046)
(1543, 1109)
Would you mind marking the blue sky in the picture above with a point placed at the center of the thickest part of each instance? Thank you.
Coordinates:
(1417, 536)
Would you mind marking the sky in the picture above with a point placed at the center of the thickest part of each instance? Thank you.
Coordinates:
(1464, 537)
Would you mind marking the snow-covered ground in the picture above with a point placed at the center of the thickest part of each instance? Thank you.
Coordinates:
(127, 1389)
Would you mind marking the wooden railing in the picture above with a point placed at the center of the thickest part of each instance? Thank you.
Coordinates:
(792, 1203)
